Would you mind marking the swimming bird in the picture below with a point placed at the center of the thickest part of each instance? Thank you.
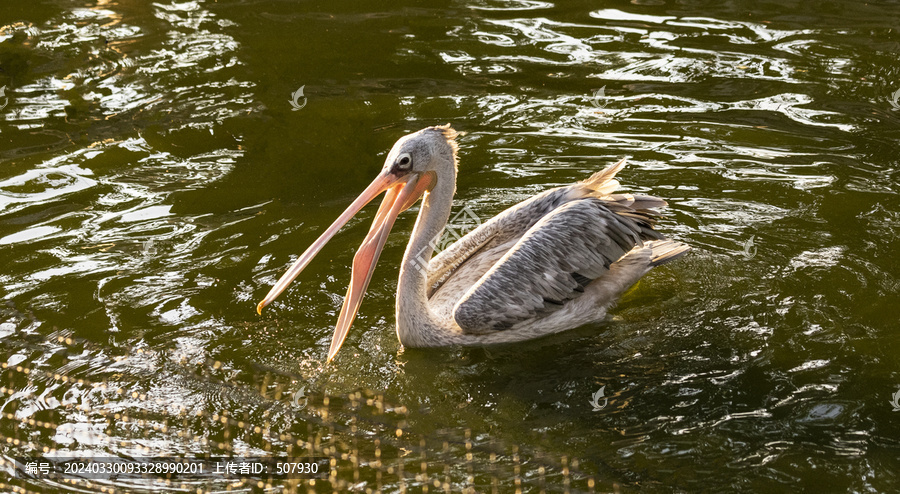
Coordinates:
(550, 263)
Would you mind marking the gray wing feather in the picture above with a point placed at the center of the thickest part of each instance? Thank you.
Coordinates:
(569, 247)
(506, 226)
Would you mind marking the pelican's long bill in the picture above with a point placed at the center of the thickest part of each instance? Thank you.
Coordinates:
(401, 192)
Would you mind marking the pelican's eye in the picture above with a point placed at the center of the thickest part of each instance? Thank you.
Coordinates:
(404, 162)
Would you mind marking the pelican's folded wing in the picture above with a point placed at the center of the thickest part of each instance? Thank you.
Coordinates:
(553, 262)
(505, 227)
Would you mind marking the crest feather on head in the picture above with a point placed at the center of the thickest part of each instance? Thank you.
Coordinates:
(450, 134)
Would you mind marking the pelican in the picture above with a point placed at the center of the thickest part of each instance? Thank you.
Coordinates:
(550, 263)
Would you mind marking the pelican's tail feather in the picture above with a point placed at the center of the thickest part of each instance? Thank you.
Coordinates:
(603, 183)
(667, 250)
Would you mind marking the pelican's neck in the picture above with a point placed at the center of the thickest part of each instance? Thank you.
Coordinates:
(417, 324)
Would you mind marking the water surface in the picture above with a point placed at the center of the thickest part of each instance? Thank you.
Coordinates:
(158, 176)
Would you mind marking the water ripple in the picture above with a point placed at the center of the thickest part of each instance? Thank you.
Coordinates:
(156, 180)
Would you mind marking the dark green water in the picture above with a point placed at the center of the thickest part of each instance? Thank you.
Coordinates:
(155, 180)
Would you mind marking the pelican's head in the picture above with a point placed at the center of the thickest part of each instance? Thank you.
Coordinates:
(430, 150)
(413, 167)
